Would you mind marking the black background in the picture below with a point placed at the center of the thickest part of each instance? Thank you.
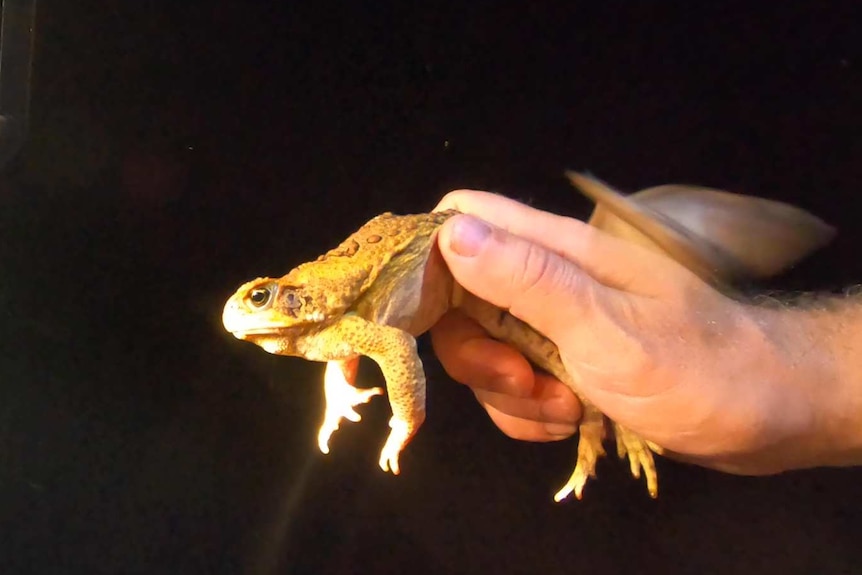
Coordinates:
(180, 148)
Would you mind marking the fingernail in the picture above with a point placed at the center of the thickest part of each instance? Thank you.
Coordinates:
(468, 235)
(561, 430)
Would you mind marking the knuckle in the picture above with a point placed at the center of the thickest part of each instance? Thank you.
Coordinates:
(588, 238)
(536, 272)
(586, 242)
(542, 272)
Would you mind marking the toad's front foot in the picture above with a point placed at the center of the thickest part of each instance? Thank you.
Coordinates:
(592, 433)
(341, 396)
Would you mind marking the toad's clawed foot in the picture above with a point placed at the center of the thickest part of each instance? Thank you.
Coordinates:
(341, 397)
(640, 456)
(592, 432)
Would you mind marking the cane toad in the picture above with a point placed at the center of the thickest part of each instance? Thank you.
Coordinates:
(386, 284)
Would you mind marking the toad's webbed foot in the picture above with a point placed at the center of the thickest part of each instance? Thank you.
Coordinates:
(341, 397)
(592, 433)
(640, 456)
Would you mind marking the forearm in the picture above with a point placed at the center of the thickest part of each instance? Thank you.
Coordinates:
(817, 371)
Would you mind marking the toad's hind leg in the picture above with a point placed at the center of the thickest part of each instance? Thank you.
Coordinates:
(592, 432)
(640, 456)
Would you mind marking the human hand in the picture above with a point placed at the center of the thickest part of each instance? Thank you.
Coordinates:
(646, 341)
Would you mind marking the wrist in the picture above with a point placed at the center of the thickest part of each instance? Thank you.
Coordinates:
(814, 409)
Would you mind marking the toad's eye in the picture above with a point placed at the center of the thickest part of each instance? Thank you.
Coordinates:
(260, 297)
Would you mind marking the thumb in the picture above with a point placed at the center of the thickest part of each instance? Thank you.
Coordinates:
(589, 322)
(532, 282)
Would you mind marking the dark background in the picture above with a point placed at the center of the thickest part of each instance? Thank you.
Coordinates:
(179, 148)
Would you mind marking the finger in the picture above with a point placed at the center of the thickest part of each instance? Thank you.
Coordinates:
(469, 356)
(534, 284)
(551, 402)
(613, 262)
(528, 430)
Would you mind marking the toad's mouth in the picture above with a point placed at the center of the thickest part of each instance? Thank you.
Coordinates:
(259, 332)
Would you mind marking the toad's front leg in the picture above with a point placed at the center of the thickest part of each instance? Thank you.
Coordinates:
(394, 350)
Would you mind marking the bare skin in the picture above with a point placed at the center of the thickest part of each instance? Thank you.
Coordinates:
(731, 386)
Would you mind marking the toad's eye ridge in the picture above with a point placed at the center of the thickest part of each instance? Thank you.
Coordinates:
(259, 297)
